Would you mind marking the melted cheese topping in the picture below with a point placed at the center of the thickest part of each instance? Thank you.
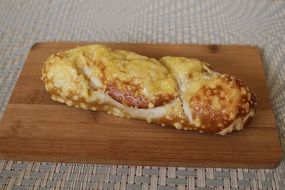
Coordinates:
(124, 84)
(130, 78)
(183, 68)
(62, 78)
(211, 101)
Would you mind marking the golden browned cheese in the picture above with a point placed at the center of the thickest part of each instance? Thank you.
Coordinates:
(212, 102)
(129, 78)
(175, 91)
(118, 82)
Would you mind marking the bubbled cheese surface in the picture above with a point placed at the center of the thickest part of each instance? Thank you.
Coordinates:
(175, 91)
(211, 101)
(126, 72)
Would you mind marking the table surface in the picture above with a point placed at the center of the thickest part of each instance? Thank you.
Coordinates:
(256, 22)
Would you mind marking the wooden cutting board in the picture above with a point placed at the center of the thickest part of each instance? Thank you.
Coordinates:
(38, 129)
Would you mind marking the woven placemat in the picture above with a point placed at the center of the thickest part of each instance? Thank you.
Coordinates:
(254, 22)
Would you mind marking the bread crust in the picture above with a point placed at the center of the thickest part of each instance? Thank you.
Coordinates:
(174, 91)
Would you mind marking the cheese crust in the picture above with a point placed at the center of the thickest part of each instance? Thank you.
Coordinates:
(212, 102)
(174, 91)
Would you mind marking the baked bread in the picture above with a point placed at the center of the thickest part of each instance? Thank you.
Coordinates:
(174, 91)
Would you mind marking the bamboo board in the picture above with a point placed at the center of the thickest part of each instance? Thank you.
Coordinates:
(38, 129)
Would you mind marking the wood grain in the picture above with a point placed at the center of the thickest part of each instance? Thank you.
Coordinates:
(38, 129)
